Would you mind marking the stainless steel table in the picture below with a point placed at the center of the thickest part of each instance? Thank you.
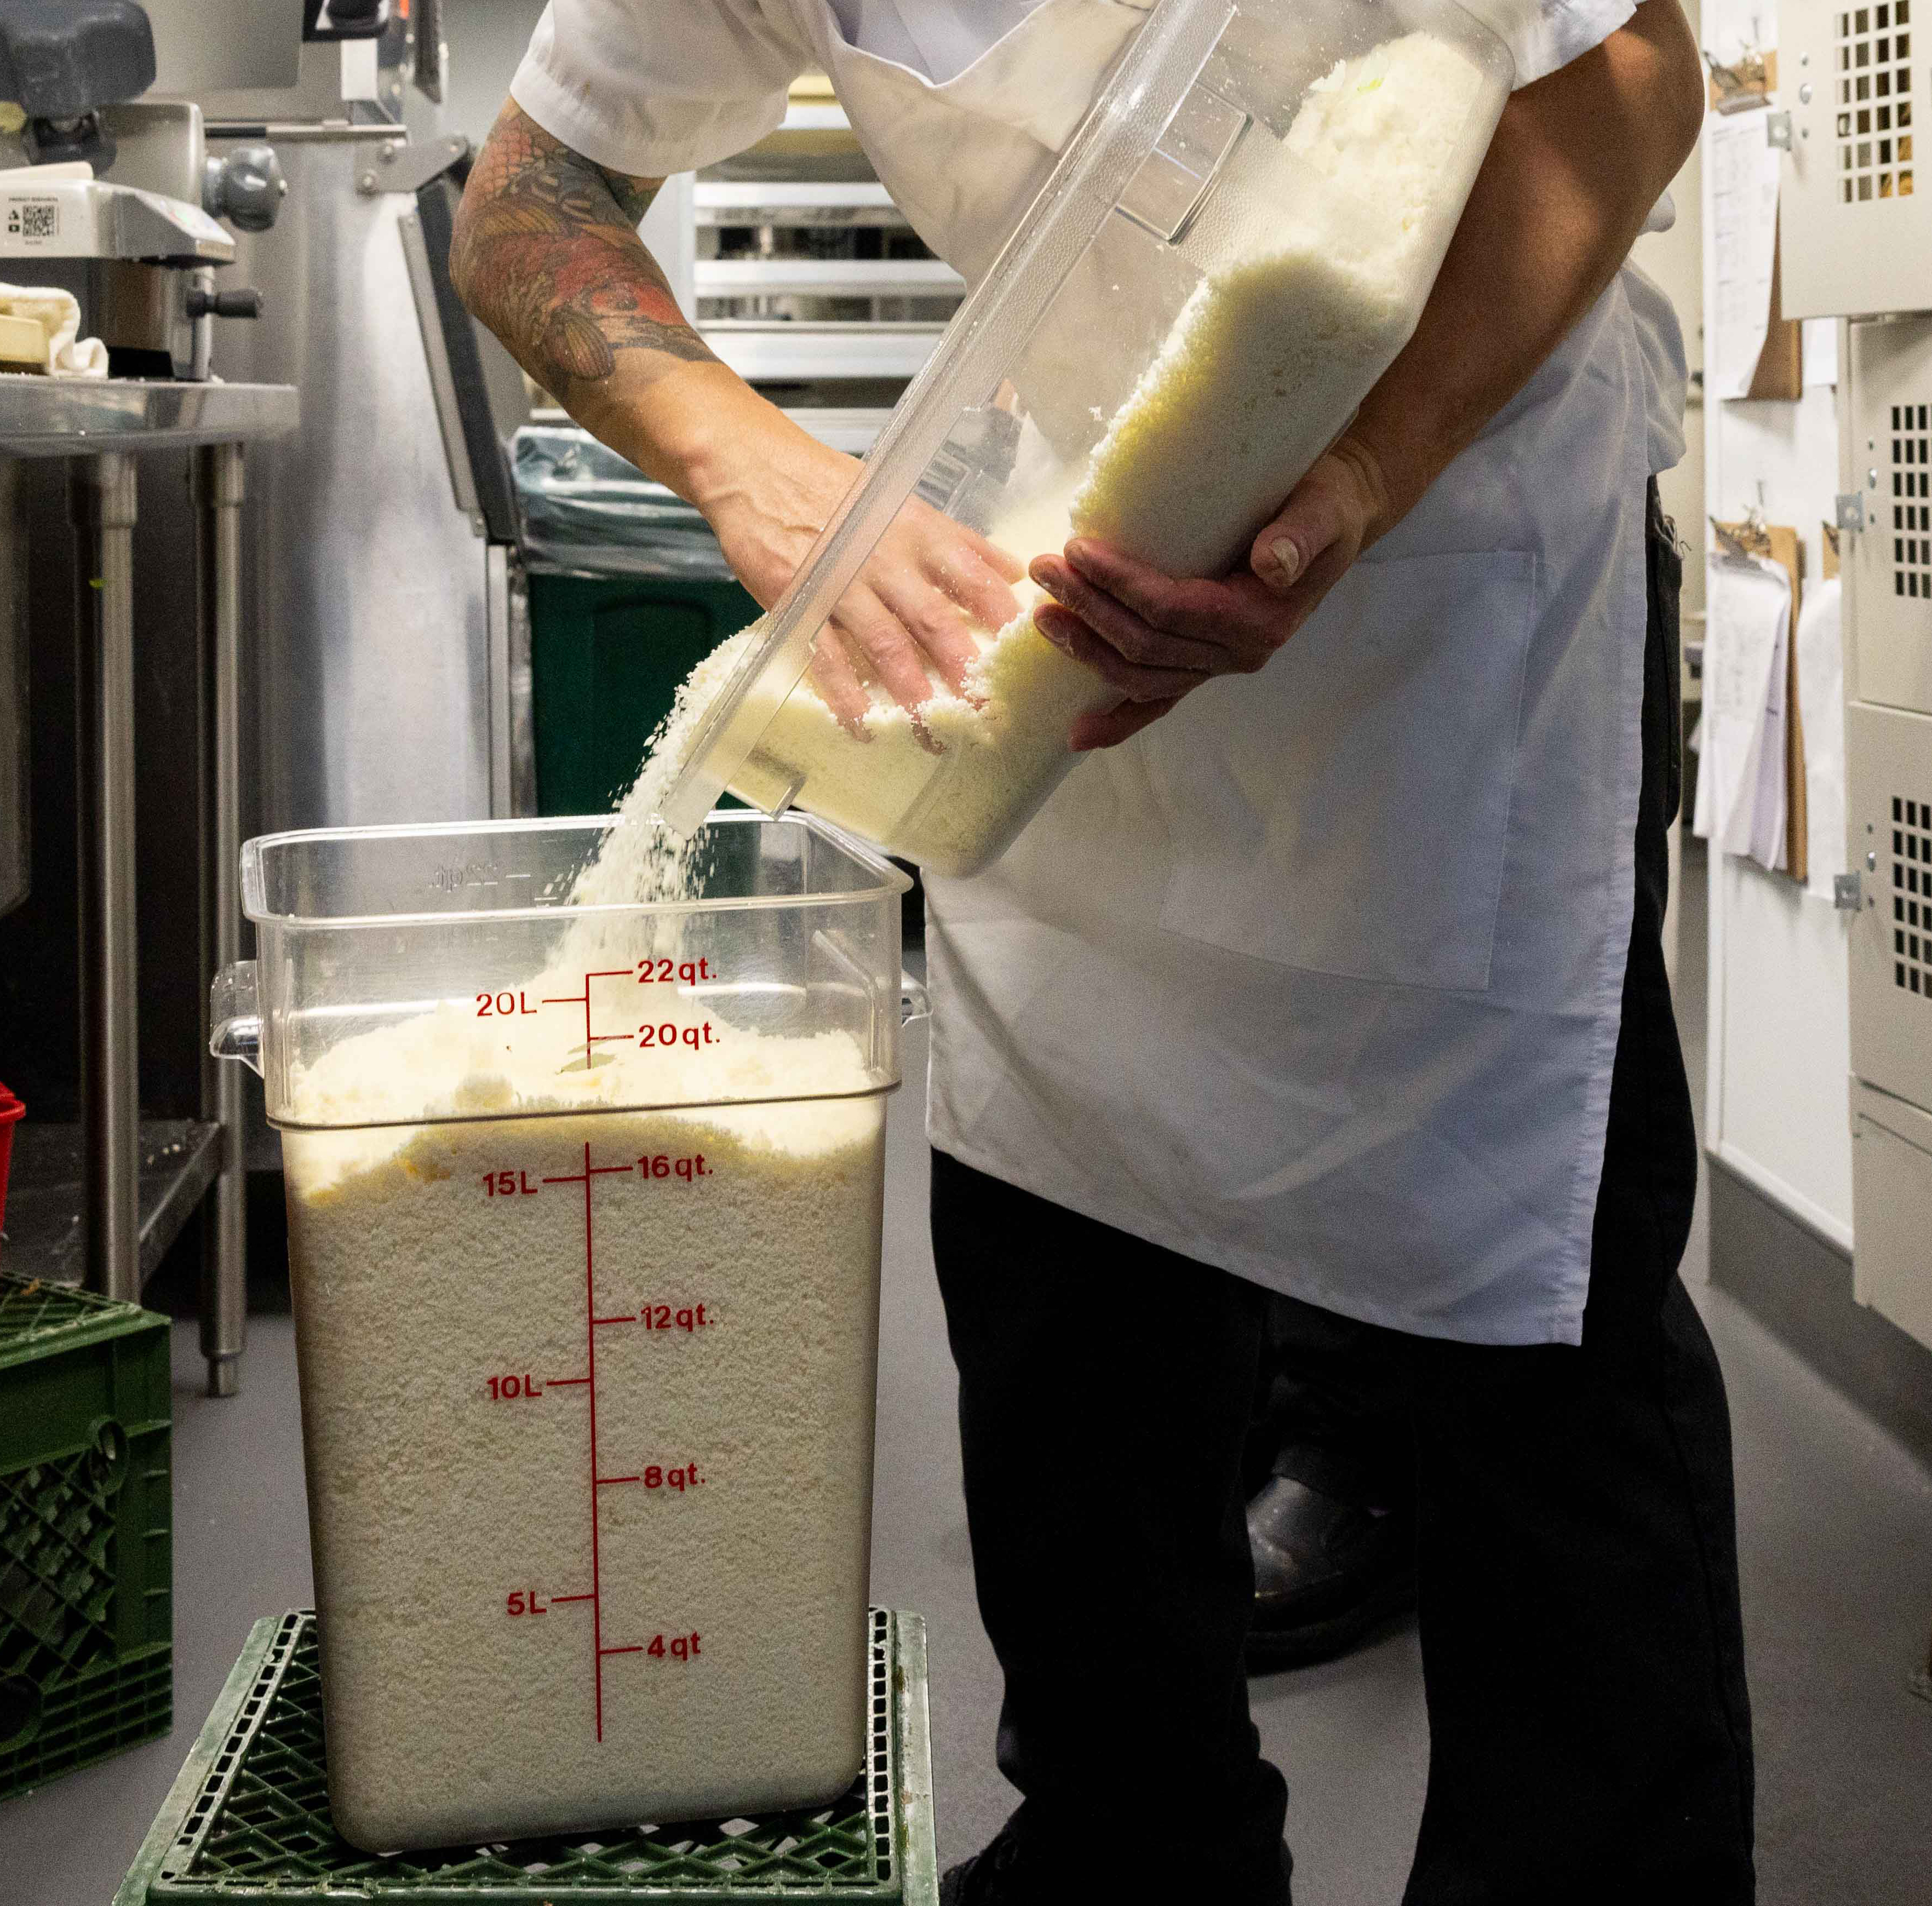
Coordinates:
(102, 427)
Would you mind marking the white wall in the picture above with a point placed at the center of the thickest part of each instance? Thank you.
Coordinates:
(1777, 1104)
(486, 39)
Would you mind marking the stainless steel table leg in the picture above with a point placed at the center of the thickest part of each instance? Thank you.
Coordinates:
(224, 1280)
(103, 499)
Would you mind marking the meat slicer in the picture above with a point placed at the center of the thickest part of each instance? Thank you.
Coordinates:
(115, 199)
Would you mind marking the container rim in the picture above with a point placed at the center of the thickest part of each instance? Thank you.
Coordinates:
(891, 881)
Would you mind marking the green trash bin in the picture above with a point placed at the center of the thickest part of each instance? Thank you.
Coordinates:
(606, 654)
(628, 590)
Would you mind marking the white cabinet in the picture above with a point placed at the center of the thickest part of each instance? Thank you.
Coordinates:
(1889, 565)
(1886, 395)
(1890, 813)
(1856, 197)
(1891, 1176)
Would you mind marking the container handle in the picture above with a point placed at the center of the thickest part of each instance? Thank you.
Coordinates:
(915, 1003)
(234, 1017)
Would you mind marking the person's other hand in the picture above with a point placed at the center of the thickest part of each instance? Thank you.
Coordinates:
(930, 582)
(1156, 637)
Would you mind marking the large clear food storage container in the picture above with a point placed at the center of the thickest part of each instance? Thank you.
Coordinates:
(1231, 251)
(583, 1238)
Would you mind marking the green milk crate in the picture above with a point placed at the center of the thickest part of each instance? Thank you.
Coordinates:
(86, 1599)
(248, 1818)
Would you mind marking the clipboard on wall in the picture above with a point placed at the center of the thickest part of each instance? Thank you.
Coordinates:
(1780, 363)
(1748, 82)
(1775, 543)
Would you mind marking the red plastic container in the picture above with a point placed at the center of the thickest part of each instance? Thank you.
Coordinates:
(11, 1110)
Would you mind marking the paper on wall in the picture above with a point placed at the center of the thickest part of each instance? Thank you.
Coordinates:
(1821, 680)
(1744, 248)
(1730, 28)
(1741, 784)
(1821, 351)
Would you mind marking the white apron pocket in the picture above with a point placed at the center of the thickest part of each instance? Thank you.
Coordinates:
(1346, 810)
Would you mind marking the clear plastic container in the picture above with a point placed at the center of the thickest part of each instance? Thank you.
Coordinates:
(583, 1238)
(1231, 251)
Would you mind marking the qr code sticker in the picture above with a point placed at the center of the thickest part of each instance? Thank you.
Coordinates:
(34, 219)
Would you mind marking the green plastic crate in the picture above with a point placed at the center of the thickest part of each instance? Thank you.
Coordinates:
(86, 1603)
(248, 1817)
(606, 654)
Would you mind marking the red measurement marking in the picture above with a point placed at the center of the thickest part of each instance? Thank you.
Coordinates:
(508, 1184)
(590, 1038)
(590, 1353)
(592, 1322)
(687, 1317)
(685, 973)
(503, 1006)
(586, 1177)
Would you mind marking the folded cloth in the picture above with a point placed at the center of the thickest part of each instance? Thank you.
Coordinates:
(57, 313)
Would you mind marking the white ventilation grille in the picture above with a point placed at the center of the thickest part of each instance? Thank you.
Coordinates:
(1875, 102)
(1912, 500)
(1912, 896)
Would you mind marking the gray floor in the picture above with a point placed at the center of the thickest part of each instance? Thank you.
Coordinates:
(1836, 1524)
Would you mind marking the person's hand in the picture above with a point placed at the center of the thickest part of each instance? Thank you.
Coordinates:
(1155, 637)
(930, 582)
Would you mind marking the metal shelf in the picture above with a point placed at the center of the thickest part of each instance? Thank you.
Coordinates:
(852, 430)
(814, 117)
(828, 278)
(787, 202)
(46, 1230)
(85, 416)
(782, 353)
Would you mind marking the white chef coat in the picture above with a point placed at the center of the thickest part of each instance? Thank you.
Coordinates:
(1317, 979)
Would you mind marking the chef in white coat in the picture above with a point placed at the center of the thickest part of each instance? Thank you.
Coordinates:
(1337, 972)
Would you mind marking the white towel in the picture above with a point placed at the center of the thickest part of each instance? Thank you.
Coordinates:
(57, 314)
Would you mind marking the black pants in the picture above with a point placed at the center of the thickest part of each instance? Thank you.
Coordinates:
(1577, 1552)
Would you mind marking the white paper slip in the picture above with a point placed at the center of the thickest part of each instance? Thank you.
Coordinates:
(1820, 337)
(1744, 247)
(1821, 706)
(1730, 28)
(1764, 840)
(1741, 786)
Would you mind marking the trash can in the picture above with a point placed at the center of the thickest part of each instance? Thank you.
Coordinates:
(628, 591)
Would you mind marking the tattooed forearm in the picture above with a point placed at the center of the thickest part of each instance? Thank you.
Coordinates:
(546, 253)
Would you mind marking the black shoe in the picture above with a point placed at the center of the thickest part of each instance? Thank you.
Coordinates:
(1326, 1572)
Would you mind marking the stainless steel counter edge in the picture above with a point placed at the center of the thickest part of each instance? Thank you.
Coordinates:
(81, 417)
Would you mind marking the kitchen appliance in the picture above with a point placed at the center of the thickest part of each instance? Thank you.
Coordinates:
(113, 198)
